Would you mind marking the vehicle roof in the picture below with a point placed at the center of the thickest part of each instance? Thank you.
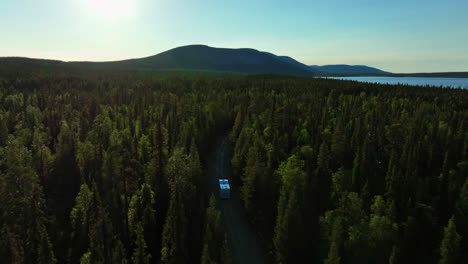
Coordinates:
(224, 184)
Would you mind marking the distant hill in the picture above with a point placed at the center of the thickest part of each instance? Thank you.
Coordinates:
(296, 63)
(347, 69)
(205, 58)
(200, 57)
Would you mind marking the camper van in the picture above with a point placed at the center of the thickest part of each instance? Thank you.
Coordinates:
(224, 189)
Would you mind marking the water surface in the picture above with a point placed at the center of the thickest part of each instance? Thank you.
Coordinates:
(445, 82)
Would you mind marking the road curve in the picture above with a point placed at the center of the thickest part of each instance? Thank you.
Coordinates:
(242, 241)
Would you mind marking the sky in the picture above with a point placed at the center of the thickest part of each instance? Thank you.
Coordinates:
(396, 36)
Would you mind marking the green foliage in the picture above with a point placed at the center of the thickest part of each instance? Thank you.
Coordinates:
(328, 170)
(213, 238)
(288, 229)
(195, 166)
(334, 251)
(141, 210)
(86, 258)
(119, 254)
(144, 149)
(181, 206)
(3, 132)
(91, 227)
(140, 256)
(23, 224)
(340, 183)
(253, 171)
(450, 246)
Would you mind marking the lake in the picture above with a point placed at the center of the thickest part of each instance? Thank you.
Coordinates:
(446, 82)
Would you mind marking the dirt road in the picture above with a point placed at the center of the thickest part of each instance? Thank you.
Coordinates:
(242, 240)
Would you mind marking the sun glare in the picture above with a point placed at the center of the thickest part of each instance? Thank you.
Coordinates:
(110, 9)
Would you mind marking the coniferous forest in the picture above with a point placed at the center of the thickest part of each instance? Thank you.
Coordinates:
(109, 167)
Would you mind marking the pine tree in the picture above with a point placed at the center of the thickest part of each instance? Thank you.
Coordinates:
(12, 249)
(140, 256)
(338, 146)
(213, 234)
(45, 255)
(237, 126)
(340, 183)
(253, 170)
(144, 149)
(450, 246)
(461, 216)
(334, 251)
(100, 230)
(119, 254)
(141, 209)
(206, 255)
(3, 132)
(79, 218)
(86, 258)
(22, 208)
(288, 228)
(380, 233)
(91, 227)
(394, 256)
(175, 247)
(323, 175)
(195, 166)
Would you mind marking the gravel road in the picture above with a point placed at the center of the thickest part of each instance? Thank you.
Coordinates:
(242, 240)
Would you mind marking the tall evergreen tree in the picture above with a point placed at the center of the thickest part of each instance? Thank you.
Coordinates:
(334, 251)
(288, 230)
(450, 246)
(3, 132)
(253, 171)
(213, 235)
(461, 216)
(141, 212)
(175, 248)
(140, 256)
(23, 221)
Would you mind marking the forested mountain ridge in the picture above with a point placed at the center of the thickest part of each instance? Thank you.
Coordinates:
(205, 58)
(192, 57)
(348, 69)
(200, 57)
(108, 168)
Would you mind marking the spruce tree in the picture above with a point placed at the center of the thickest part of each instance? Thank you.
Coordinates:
(334, 250)
(140, 256)
(288, 228)
(450, 246)
(175, 246)
(213, 234)
(22, 208)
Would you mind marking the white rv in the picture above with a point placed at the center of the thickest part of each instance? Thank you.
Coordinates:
(224, 189)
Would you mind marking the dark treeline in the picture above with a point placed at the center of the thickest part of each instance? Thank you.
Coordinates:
(107, 168)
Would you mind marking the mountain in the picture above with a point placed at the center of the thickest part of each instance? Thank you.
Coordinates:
(347, 69)
(200, 57)
(205, 58)
(295, 62)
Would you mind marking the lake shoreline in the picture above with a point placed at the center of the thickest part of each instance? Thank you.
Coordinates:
(406, 80)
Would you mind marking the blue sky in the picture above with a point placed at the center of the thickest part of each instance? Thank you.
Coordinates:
(397, 36)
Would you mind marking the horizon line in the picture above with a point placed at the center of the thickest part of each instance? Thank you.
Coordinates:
(213, 47)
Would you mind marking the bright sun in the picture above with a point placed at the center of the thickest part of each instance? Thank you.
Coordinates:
(110, 8)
